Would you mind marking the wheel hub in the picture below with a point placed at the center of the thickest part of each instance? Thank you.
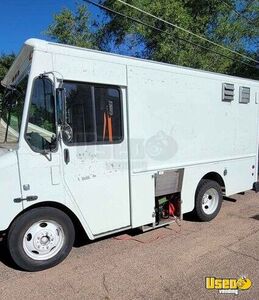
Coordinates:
(43, 240)
(210, 201)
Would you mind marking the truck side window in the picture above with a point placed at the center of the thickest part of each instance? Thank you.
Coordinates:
(79, 107)
(94, 113)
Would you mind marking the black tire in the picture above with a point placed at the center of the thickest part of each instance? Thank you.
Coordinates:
(36, 217)
(205, 214)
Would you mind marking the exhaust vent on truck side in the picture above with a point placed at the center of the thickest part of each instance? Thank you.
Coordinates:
(244, 95)
(228, 92)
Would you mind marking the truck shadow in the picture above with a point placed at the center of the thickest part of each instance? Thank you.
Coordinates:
(5, 257)
(255, 217)
(229, 199)
(191, 217)
(83, 240)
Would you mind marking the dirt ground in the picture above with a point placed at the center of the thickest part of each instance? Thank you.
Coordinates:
(167, 263)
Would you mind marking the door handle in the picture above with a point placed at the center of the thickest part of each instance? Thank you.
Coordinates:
(66, 156)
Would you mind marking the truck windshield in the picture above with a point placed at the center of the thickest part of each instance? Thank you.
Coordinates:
(11, 110)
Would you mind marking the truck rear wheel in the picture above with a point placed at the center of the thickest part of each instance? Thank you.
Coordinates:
(40, 238)
(208, 200)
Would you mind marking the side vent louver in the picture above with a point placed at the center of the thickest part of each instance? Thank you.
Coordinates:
(244, 95)
(228, 92)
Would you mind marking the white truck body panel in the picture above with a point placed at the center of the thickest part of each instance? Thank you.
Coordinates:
(98, 180)
(173, 118)
(11, 206)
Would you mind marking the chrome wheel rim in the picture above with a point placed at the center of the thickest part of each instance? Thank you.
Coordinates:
(210, 201)
(43, 240)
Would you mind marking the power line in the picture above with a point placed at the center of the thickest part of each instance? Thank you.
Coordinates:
(189, 32)
(237, 12)
(241, 13)
(103, 7)
(248, 5)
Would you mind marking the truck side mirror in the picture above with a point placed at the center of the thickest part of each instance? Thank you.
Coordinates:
(67, 133)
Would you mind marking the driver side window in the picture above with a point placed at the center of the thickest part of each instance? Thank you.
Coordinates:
(41, 126)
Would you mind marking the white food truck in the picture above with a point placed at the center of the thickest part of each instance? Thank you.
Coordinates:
(105, 143)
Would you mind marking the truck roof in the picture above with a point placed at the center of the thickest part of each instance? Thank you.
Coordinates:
(43, 45)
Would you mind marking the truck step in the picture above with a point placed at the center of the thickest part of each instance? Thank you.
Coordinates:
(162, 223)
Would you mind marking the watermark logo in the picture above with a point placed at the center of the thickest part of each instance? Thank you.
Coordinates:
(161, 146)
(228, 285)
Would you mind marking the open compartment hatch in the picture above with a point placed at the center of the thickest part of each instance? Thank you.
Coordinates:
(168, 185)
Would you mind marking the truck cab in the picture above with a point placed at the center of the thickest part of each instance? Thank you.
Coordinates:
(53, 163)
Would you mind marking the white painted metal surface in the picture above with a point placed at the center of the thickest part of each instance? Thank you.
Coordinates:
(142, 190)
(174, 118)
(98, 181)
(10, 187)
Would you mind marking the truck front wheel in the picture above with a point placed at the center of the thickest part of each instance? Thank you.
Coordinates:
(208, 200)
(40, 238)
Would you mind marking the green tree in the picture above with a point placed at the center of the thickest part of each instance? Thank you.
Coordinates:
(6, 61)
(72, 28)
(232, 23)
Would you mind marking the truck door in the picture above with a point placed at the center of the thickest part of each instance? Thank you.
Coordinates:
(39, 156)
(95, 159)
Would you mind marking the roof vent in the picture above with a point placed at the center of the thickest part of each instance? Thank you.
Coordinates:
(228, 92)
(244, 95)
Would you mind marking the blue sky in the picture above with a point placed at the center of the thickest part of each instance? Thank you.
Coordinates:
(23, 19)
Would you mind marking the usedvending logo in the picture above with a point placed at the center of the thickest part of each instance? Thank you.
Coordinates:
(228, 285)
